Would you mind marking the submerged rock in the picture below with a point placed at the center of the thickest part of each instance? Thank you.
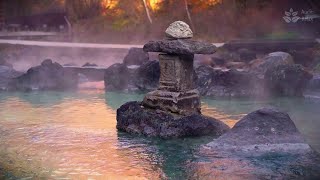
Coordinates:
(47, 76)
(136, 56)
(180, 46)
(134, 118)
(179, 30)
(287, 80)
(265, 144)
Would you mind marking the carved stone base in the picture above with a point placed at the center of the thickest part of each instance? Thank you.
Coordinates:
(183, 103)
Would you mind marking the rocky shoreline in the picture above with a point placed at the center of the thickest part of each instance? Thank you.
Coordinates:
(218, 75)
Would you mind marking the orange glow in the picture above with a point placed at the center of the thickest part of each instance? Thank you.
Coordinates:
(213, 2)
(154, 4)
(109, 4)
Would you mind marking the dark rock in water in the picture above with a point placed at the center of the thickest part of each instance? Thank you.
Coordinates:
(180, 46)
(264, 126)
(89, 65)
(287, 80)
(47, 76)
(7, 74)
(265, 144)
(272, 61)
(132, 117)
(230, 83)
(117, 77)
(246, 55)
(136, 56)
(147, 76)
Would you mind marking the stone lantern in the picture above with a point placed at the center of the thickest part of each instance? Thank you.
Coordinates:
(173, 110)
(176, 92)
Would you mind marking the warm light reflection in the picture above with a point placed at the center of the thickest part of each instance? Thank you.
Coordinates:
(72, 138)
(215, 113)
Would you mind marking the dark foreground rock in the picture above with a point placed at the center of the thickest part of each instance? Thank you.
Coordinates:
(265, 144)
(133, 118)
(287, 80)
(47, 76)
(180, 46)
(136, 56)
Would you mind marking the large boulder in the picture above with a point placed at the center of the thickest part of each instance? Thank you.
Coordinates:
(265, 144)
(287, 80)
(272, 61)
(136, 56)
(7, 74)
(133, 118)
(117, 77)
(262, 127)
(229, 83)
(147, 76)
(47, 76)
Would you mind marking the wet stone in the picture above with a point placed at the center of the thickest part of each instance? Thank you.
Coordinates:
(180, 47)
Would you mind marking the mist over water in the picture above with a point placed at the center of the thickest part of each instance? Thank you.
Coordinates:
(24, 57)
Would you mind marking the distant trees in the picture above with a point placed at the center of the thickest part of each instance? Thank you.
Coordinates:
(83, 9)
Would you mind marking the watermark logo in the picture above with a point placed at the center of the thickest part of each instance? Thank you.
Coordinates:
(292, 16)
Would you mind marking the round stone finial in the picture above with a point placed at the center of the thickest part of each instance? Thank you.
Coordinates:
(179, 30)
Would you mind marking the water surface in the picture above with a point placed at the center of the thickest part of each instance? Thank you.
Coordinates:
(72, 135)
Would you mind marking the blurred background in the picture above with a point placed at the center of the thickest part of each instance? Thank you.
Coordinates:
(136, 21)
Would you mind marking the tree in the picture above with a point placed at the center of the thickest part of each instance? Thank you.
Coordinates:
(189, 16)
(147, 11)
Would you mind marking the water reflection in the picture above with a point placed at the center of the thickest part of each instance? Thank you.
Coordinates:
(54, 135)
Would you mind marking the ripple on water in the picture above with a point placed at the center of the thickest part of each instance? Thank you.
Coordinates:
(73, 136)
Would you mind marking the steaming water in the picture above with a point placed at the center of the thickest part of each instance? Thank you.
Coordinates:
(72, 135)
